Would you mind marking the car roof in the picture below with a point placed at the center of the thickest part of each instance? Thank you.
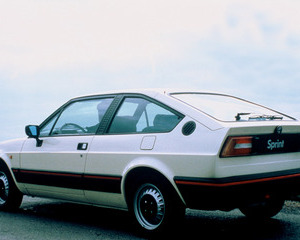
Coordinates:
(148, 91)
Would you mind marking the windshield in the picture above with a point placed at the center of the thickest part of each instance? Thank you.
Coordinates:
(228, 108)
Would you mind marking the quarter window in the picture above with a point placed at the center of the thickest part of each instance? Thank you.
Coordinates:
(138, 115)
(46, 129)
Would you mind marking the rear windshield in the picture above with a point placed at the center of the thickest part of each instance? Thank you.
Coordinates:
(228, 108)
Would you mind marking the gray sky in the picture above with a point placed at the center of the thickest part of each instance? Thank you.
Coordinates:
(53, 50)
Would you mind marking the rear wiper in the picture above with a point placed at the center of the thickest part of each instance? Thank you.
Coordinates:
(259, 117)
(238, 116)
(265, 117)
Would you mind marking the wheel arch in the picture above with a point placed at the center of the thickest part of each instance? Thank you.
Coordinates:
(7, 164)
(136, 174)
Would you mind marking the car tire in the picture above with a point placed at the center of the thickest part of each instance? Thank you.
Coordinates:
(263, 210)
(156, 207)
(10, 196)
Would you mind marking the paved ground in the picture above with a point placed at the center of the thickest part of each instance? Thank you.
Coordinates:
(51, 219)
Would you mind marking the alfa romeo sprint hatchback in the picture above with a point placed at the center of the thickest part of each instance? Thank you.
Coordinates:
(156, 153)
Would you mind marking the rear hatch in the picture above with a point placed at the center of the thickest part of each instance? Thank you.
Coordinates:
(259, 140)
(259, 148)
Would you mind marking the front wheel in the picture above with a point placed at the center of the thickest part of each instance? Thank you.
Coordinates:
(10, 196)
(155, 207)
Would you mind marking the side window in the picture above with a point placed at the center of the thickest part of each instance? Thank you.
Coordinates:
(138, 115)
(82, 117)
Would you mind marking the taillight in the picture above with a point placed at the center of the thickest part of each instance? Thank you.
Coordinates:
(237, 146)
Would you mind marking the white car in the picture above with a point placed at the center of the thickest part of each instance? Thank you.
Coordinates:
(156, 153)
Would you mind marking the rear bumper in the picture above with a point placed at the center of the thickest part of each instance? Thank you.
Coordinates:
(233, 192)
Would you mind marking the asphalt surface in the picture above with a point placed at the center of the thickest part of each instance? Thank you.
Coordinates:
(52, 219)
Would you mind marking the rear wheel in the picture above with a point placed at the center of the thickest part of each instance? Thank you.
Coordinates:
(264, 210)
(149, 206)
(10, 196)
(155, 206)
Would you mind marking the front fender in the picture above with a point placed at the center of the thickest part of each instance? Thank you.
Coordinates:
(10, 152)
(10, 155)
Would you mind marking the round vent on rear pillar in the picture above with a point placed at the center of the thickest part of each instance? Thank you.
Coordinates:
(188, 128)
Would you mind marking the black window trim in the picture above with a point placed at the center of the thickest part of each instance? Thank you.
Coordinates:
(108, 117)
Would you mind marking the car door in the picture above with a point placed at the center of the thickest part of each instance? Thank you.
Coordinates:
(56, 167)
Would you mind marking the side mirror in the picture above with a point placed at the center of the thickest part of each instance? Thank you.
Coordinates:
(33, 131)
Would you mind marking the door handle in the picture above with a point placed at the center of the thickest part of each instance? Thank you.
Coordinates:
(82, 146)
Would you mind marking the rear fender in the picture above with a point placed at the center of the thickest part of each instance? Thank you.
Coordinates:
(151, 164)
